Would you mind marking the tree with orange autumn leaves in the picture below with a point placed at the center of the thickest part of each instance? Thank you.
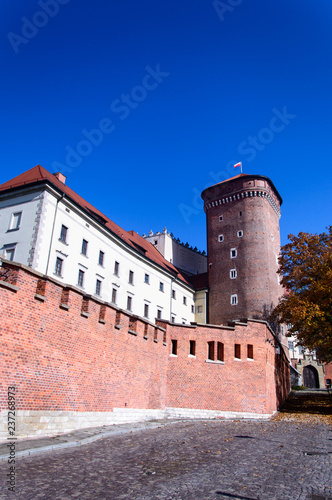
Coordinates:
(305, 267)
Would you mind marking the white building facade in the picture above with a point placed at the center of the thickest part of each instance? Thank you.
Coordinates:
(47, 226)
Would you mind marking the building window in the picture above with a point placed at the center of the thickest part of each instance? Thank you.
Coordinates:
(146, 310)
(250, 351)
(240, 214)
(193, 309)
(116, 268)
(9, 251)
(98, 287)
(291, 345)
(220, 238)
(300, 348)
(234, 300)
(146, 279)
(240, 234)
(220, 351)
(159, 313)
(101, 258)
(131, 277)
(161, 286)
(211, 351)
(192, 347)
(233, 274)
(15, 221)
(173, 294)
(58, 266)
(129, 303)
(173, 319)
(80, 280)
(174, 345)
(237, 351)
(84, 247)
(184, 301)
(220, 218)
(114, 292)
(63, 234)
(233, 253)
(199, 309)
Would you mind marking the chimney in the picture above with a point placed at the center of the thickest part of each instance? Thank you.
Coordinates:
(62, 178)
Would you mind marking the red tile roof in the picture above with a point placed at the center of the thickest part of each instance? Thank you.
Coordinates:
(199, 281)
(39, 175)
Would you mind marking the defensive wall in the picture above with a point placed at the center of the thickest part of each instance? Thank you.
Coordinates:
(76, 361)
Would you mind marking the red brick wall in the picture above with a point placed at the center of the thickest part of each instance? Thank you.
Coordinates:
(237, 385)
(65, 353)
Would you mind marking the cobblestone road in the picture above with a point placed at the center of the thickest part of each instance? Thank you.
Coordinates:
(204, 460)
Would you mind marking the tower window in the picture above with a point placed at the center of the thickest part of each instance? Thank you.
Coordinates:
(234, 300)
(233, 274)
(221, 237)
(146, 279)
(114, 292)
(131, 277)
(237, 351)
(161, 286)
(146, 310)
(220, 218)
(184, 301)
(129, 303)
(159, 312)
(239, 234)
(240, 214)
(233, 253)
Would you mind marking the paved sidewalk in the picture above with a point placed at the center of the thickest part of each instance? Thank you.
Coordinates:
(80, 437)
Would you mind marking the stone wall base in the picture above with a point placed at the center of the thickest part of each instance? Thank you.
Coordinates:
(32, 423)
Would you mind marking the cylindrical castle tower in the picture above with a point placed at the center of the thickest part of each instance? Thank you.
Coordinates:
(243, 245)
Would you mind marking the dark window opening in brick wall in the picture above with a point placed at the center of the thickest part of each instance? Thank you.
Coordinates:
(237, 351)
(174, 344)
(250, 351)
(211, 351)
(220, 351)
(192, 347)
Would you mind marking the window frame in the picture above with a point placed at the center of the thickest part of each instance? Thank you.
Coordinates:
(63, 234)
(101, 258)
(84, 249)
(15, 223)
(57, 267)
(80, 278)
(98, 287)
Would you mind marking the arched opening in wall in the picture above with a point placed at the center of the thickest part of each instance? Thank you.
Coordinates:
(310, 377)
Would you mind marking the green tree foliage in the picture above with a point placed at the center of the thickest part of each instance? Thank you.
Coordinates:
(306, 274)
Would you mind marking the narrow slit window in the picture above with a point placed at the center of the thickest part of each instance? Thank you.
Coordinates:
(192, 347)
(211, 351)
(250, 351)
(220, 351)
(237, 351)
(174, 346)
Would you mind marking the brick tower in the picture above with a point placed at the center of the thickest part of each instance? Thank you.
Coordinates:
(243, 244)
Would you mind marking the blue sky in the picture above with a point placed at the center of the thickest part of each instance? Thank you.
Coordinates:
(144, 104)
